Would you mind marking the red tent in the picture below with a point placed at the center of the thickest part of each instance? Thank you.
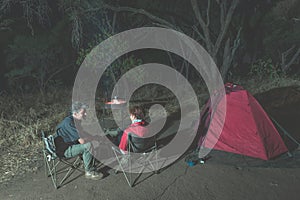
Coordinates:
(247, 128)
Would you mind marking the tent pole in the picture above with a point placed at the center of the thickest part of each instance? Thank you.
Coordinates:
(285, 132)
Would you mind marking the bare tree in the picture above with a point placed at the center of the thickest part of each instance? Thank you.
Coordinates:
(201, 30)
(38, 12)
(214, 46)
(220, 44)
(31, 10)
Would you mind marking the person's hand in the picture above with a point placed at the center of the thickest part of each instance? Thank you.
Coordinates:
(81, 141)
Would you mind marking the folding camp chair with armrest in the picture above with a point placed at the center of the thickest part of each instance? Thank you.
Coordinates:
(141, 154)
(56, 166)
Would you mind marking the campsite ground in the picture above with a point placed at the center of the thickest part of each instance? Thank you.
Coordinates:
(208, 181)
(223, 176)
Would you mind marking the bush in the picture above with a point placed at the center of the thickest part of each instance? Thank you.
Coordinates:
(265, 70)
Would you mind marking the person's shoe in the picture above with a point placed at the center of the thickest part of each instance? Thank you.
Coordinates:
(93, 175)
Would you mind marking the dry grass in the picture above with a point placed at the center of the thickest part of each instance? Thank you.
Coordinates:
(21, 121)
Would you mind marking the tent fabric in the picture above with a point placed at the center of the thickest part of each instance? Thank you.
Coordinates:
(247, 128)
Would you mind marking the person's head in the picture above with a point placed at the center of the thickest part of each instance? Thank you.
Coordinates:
(136, 112)
(79, 110)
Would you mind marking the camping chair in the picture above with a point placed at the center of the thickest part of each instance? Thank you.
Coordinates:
(56, 166)
(141, 154)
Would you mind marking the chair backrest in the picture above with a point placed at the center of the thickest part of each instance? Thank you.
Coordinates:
(138, 144)
(49, 144)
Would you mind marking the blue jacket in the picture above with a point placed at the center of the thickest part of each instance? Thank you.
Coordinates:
(67, 135)
(68, 131)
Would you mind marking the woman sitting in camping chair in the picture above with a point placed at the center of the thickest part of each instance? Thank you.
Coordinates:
(137, 127)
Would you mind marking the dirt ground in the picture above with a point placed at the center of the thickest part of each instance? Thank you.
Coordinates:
(179, 181)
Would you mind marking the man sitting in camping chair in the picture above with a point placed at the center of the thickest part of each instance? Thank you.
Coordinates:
(70, 143)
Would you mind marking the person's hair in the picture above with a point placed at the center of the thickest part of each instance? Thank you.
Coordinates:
(137, 111)
(77, 106)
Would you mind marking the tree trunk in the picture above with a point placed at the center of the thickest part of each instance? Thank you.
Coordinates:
(213, 47)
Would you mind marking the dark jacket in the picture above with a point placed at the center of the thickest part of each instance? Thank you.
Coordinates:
(67, 135)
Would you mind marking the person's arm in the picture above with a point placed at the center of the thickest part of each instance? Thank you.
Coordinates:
(85, 136)
(123, 142)
(88, 138)
(73, 133)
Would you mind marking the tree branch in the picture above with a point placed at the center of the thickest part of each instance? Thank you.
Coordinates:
(207, 13)
(114, 22)
(164, 22)
(198, 32)
(204, 26)
(54, 73)
(284, 66)
(284, 55)
(229, 53)
(225, 27)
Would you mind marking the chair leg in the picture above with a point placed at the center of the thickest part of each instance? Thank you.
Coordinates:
(45, 164)
(52, 172)
(72, 167)
(50, 168)
(53, 168)
(146, 163)
(128, 179)
(130, 172)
